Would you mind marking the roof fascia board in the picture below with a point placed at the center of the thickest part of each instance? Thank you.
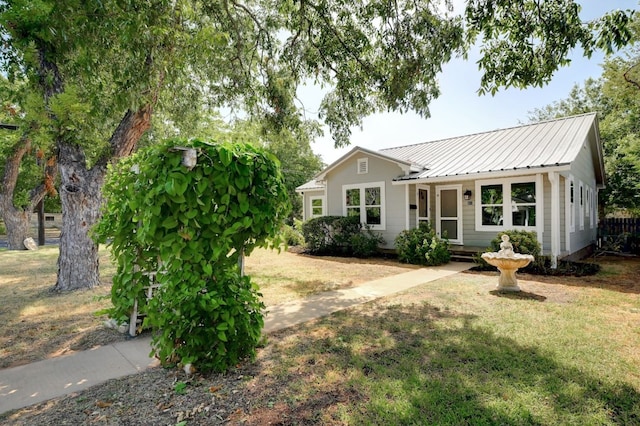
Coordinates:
(485, 175)
(598, 149)
(303, 190)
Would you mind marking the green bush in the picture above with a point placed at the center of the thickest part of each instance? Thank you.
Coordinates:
(421, 246)
(190, 223)
(365, 243)
(340, 236)
(292, 236)
(523, 242)
(3, 230)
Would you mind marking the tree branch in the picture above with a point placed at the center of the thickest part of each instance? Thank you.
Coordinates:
(124, 139)
(629, 79)
(47, 186)
(348, 50)
(12, 170)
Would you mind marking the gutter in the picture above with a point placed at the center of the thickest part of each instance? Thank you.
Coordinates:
(483, 175)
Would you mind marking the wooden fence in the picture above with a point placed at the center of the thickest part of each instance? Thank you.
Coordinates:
(619, 226)
(620, 234)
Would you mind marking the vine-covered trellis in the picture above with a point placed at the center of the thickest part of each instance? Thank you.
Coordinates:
(190, 219)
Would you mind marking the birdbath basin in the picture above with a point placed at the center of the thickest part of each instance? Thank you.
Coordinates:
(507, 263)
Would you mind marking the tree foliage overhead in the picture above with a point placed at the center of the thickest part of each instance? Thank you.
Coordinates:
(616, 98)
(523, 43)
(373, 56)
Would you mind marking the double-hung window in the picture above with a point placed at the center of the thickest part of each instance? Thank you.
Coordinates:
(581, 211)
(365, 201)
(523, 204)
(505, 204)
(317, 206)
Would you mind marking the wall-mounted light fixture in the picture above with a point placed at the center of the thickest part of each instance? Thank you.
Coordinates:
(467, 194)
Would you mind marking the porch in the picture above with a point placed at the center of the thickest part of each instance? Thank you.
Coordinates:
(462, 253)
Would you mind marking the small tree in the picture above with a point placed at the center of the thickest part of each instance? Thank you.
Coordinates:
(191, 223)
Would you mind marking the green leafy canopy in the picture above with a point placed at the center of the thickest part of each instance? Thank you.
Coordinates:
(191, 225)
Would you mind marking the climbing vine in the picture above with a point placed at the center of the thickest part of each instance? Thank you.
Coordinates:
(190, 223)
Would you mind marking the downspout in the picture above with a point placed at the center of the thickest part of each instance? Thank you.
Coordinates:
(554, 178)
(540, 208)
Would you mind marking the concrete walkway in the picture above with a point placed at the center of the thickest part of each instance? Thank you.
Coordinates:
(32, 383)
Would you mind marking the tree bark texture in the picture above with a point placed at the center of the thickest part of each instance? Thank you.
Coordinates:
(16, 220)
(81, 197)
(17, 223)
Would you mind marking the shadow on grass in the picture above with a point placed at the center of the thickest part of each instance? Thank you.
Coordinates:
(39, 340)
(518, 295)
(420, 365)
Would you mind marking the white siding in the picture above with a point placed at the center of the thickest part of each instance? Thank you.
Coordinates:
(378, 170)
(584, 176)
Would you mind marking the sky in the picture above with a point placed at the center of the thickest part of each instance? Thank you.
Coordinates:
(460, 110)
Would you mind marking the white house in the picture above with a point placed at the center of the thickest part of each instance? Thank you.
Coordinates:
(541, 177)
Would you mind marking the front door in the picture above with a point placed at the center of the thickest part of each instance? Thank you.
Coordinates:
(449, 212)
(422, 201)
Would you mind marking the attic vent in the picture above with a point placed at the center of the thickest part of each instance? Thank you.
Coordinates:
(363, 166)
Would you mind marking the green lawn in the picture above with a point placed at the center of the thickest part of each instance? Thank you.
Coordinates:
(452, 352)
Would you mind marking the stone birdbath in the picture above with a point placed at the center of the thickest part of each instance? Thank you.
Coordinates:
(507, 263)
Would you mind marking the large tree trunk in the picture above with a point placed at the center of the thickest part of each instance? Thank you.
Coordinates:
(17, 224)
(81, 196)
(17, 220)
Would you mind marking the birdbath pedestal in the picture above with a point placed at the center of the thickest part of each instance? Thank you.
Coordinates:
(507, 263)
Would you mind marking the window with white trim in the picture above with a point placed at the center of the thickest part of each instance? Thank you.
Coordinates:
(317, 206)
(505, 204)
(587, 210)
(572, 206)
(523, 204)
(592, 207)
(363, 166)
(366, 201)
(492, 204)
(581, 201)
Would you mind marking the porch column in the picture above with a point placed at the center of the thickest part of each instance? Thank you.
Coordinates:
(407, 222)
(554, 178)
(304, 206)
(540, 218)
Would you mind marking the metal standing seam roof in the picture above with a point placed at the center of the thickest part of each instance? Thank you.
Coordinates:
(309, 186)
(544, 144)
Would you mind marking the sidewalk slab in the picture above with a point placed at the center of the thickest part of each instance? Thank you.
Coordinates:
(33, 383)
(296, 312)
